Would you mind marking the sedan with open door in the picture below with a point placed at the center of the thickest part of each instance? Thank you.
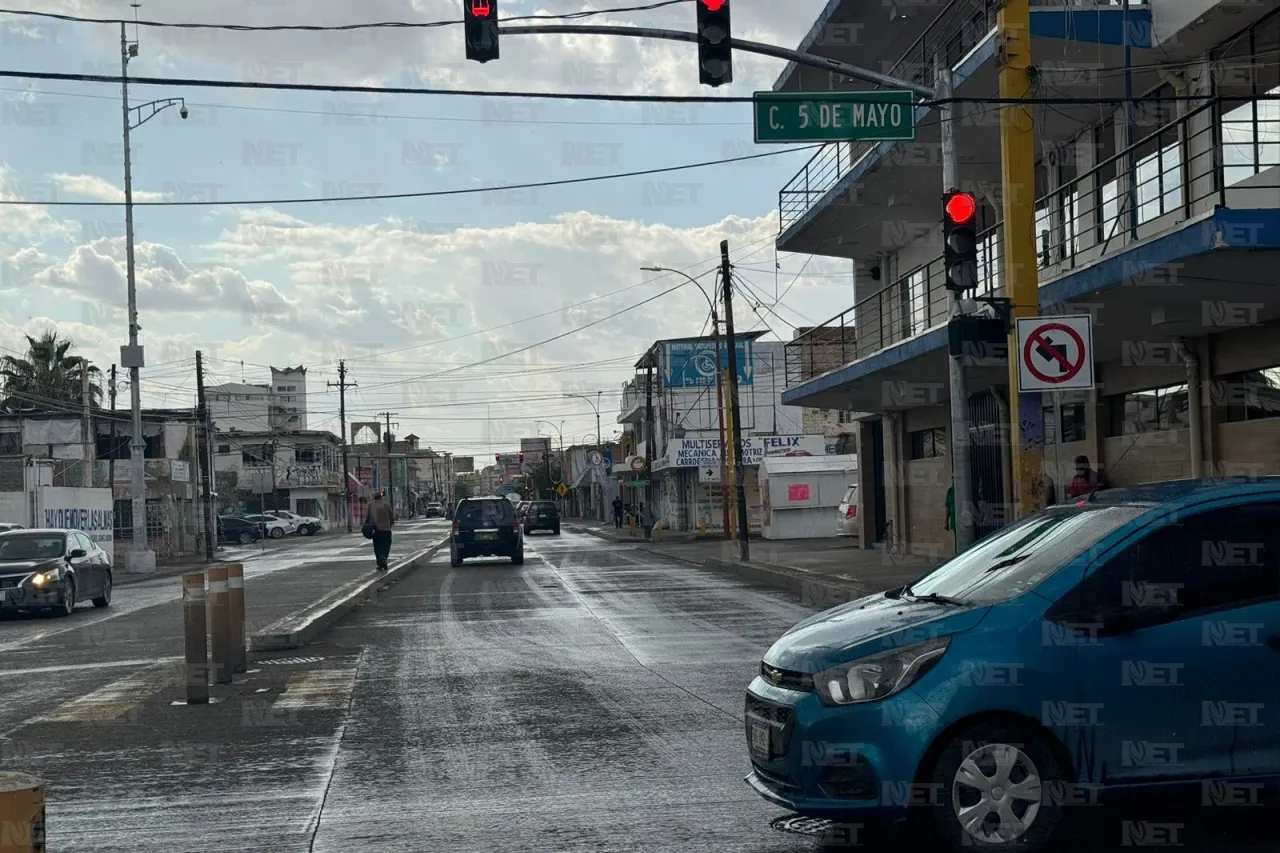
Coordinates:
(52, 571)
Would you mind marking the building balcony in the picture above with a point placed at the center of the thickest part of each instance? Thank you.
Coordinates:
(859, 199)
(634, 399)
(1194, 202)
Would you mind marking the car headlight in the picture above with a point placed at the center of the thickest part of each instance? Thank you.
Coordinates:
(880, 675)
(42, 579)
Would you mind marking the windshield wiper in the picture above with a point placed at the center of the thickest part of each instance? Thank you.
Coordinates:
(934, 598)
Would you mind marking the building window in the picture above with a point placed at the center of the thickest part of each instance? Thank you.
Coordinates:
(311, 454)
(1153, 410)
(1249, 396)
(224, 449)
(846, 417)
(928, 443)
(258, 454)
(10, 444)
(1072, 423)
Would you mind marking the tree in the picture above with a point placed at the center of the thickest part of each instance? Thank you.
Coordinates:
(49, 378)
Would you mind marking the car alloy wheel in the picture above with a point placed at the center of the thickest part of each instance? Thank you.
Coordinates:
(104, 600)
(68, 603)
(276, 533)
(245, 537)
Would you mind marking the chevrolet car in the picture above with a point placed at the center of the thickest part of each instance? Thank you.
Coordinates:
(52, 570)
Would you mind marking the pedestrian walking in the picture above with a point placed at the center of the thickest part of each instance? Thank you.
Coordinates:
(647, 520)
(381, 519)
(617, 513)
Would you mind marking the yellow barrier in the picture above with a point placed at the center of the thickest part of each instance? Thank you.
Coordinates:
(21, 814)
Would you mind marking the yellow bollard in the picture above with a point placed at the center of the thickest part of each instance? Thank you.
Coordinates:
(21, 814)
(195, 644)
(219, 630)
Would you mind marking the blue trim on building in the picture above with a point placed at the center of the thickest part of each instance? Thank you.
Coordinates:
(1093, 26)
(1225, 230)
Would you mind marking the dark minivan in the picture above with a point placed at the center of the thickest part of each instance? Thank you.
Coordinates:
(542, 515)
(486, 527)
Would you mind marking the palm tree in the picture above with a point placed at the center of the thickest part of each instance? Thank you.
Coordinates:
(48, 379)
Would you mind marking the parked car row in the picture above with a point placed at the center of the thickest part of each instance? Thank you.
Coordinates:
(275, 524)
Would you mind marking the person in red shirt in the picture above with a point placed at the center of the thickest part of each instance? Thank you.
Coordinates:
(1087, 480)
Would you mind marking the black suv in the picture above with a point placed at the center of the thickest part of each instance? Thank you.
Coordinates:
(486, 527)
(542, 515)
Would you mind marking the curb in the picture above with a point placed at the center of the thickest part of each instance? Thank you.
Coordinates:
(306, 624)
(811, 587)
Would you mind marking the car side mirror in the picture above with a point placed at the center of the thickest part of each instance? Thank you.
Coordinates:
(77, 553)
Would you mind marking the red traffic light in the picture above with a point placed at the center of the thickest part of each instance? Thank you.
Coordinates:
(713, 5)
(961, 208)
(481, 8)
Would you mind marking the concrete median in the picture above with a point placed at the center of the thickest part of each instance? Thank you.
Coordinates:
(305, 625)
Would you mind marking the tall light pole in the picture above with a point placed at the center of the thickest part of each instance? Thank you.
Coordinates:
(595, 407)
(140, 557)
(559, 432)
(715, 334)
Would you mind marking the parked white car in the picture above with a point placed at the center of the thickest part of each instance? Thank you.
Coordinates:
(276, 528)
(847, 513)
(305, 525)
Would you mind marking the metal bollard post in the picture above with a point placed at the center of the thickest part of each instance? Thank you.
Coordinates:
(219, 628)
(235, 598)
(21, 814)
(197, 647)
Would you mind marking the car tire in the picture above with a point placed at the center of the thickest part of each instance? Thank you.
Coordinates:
(556, 531)
(68, 603)
(245, 537)
(277, 533)
(305, 530)
(1027, 762)
(517, 559)
(455, 559)
(104, 600)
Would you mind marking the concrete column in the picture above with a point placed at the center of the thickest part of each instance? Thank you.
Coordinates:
(1087, 189)
(1211, 415)
(1200, 151)
(893, 469)
(868, 477)
(1096, 420)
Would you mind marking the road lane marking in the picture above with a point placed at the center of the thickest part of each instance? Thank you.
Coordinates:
(71, 667)
(318, 690)
(117, 698)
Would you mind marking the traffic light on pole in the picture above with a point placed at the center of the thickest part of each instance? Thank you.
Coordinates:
(481, 26)
(521, 457)
(715, 58)
(960, 240)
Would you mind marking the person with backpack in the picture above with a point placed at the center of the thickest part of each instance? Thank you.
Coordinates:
(377, 526)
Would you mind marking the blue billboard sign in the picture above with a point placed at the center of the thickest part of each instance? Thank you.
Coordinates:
(692, 363)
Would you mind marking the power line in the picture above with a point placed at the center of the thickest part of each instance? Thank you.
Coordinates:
(425, 194)
(567, 16)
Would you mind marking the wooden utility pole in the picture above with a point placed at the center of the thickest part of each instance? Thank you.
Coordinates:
(205, 461)
(390, 476)
(111, 456)
(90, 440)
(342, 385)
(739, 487)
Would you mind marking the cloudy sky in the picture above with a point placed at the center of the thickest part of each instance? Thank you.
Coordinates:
(410, 292)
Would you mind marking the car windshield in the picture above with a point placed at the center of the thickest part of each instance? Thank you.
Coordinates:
(31, 546)
(850, 495)
(486, 513)
(1022, 555)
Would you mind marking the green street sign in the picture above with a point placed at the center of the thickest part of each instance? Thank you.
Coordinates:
(636, 484)
(834, 116)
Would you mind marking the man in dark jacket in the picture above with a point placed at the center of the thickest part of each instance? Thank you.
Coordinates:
(383, 519)
(617, 513)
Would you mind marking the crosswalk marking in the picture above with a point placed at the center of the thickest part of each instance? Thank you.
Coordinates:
(117, 698)
(320, 689)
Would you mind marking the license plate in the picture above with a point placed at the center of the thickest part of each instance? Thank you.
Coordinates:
(759, 737)
(486, 537)
(3, 594)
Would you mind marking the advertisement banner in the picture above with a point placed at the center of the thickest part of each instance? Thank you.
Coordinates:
(90, 511)
(699, 452)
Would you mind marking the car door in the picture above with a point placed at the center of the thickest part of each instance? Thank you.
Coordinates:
(88, 579)
(1177, 663)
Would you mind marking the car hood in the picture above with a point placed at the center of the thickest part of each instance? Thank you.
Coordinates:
(25, 567)
(879, 622)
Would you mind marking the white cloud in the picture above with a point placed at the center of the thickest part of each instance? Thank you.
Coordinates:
(99, 188)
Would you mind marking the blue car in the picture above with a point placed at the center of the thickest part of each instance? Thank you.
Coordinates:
(1126, 642)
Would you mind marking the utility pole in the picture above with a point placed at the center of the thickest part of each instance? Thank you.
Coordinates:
(342, 385)
(111, 457)
(740, 496)
(963, 495)
(390, 476)
(649, 440)
(1017, 170)
(90, 440)
(202, 449)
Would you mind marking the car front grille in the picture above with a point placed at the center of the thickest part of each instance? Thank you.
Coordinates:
(11, 582)
(779, 719)
(786, 678)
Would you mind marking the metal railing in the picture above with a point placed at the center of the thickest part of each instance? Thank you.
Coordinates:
(1216, 155)
(957, 29)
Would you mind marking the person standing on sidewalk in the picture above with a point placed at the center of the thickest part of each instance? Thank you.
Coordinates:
(383, 519)
(617, 513)
(647, 520)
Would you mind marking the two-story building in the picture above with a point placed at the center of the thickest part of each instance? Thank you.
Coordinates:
(298, 470)
(1162, 222)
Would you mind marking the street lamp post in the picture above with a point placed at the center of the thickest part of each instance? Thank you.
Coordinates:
(140, 557)
(715, 334)
(595, 406)
(559, 432)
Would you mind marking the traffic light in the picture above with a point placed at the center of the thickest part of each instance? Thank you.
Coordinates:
(715, 58)
(521, 457)
(481, 26)
(960, 240)
(497, 457)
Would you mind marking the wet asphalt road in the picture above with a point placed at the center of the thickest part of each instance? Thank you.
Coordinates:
(589, 700)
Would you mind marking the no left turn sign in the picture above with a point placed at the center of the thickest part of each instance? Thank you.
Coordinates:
(1055, 353)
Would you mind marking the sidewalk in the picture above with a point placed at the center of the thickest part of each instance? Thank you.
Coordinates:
(821, 571)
